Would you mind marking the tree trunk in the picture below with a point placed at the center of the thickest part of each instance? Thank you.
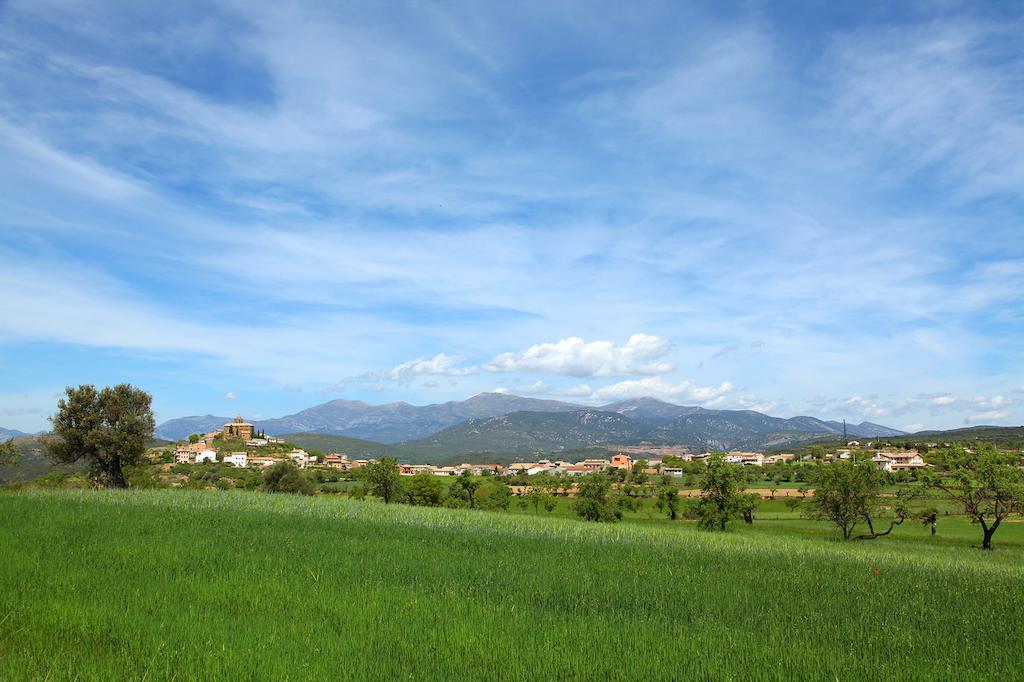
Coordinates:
(115, 474)
(986, 541)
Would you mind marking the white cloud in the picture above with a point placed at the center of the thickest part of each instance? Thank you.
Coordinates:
(990, 416)
(943, 400)
(536, 388)
(641, 354)
(992, 402)
(230, 395)
(658, 387)
(439, 365)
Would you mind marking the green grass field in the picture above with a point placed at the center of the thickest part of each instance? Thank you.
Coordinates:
(172, 584)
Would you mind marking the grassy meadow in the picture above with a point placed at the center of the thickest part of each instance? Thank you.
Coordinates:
(173, 584)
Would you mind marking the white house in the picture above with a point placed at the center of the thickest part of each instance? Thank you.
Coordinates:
(206, 456)
(745, 458)
(237, 459)
(895, 460)
(301, 458)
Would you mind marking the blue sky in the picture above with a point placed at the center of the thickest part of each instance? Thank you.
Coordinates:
(256, 207)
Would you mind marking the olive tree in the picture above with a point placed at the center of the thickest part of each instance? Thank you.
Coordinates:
(108, 429)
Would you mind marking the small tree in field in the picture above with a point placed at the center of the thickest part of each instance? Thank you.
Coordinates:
(593, 501)
(495, 496)
(108, 429)
(721, 500)
(748, 505)
(668, 501)
(465, 486)
(535, 497)
(384, 480)
(424, 490)
(848, 494)
(285, 477)
(930, 517)
(986, 485)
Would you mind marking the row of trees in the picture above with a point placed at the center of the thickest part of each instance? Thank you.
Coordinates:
(383, 480)
(722, 499)
(986, 484)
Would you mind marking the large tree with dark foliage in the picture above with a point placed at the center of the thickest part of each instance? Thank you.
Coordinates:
(107, 429)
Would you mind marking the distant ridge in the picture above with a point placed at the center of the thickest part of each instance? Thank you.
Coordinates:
(7, 434)
(472, 425)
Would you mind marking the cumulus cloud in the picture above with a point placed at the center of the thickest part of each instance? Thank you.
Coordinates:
(943, 400)
(230, 395)
(641, 354)
(439, 365)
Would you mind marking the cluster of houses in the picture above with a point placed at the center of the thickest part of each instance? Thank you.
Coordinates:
(186, 455)
(888, 459)
(203, 451)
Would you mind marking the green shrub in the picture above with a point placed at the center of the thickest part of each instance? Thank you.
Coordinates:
(285, 477)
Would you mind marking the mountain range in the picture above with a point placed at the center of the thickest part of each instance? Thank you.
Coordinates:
(6, 434)
(499, 422)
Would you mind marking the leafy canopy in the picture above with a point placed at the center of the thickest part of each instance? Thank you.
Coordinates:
(285, 477)
(721, 498)
(108, 429)
(9, 453)
(593, 500)
(383, 479)
(986, 484)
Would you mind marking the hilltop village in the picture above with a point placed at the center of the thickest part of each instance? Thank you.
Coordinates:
(257, 450)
